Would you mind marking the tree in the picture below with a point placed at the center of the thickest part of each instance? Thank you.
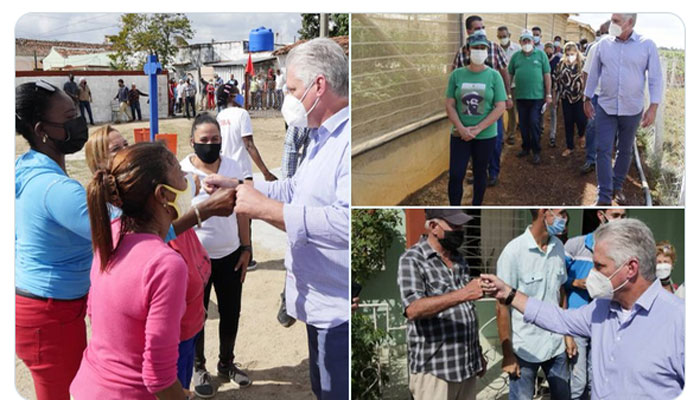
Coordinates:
(143, 34)
(310, 26)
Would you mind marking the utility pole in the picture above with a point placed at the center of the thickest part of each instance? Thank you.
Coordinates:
(323, 25)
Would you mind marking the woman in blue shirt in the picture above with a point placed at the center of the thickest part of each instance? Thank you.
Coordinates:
(53, 250)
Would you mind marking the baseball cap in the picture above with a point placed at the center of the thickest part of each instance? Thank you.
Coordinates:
(526, 34)
(452, 216)
(478, 38)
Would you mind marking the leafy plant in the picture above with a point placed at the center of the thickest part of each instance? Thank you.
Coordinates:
(142, 34)
(366, 365)
(372, 234)
(310, 25)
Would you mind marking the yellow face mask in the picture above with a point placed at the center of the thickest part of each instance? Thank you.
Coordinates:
(183, 198)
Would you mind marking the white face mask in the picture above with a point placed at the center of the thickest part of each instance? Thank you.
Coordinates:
(294, 112)
(527, 47)
(571, 58)
(183, 198)
(663, 270)
(600, 286)
(478, 56)
(615, 30)
(505, 41)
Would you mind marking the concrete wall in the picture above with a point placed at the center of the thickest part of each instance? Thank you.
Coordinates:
(103, 86)
(389, 173)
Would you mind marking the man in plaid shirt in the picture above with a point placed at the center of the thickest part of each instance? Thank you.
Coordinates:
(295, 143)
(437, 293)
(497, 60)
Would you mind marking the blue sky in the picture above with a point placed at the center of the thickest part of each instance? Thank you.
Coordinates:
(92, 27)
(665, 29)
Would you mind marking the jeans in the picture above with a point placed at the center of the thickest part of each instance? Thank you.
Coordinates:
(135, 109)
(590, 135)
(328, 361)
(556, 371)
(460, 153)
(612, 177)
(530, 124)
(495, 160)
(50, 338)
(582, 371)
(189, 102)
(573, 115)
(185, 361)
(228, 287)
(85, 105)
(553, 120)
(271, 103)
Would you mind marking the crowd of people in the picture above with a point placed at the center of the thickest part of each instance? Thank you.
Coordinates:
(601, 96)
(582, 311)
(141, 248)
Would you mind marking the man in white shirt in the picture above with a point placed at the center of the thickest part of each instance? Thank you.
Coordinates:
(509, 47)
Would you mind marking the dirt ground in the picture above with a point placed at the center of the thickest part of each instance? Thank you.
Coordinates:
(276, 358)
(556, 181)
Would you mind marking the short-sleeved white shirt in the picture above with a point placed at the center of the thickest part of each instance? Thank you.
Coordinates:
(235, 125)
(539, 274)
(219, 235)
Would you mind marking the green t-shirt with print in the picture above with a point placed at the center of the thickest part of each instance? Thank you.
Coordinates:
(528, 72)
(476, 94)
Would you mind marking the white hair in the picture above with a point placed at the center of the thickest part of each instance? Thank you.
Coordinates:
(321, 56)
(629, 238)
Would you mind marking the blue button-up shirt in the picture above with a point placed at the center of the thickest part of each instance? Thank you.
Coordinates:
(622, 68)
(317, 221)
(641, 357)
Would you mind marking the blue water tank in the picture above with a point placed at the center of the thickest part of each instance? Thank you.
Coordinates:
(261, 39)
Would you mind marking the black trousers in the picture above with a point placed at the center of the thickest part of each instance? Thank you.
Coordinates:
(228, 287)
(189, 102)
(573, 115)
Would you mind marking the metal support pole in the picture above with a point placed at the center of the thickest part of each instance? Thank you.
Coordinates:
(152, 69)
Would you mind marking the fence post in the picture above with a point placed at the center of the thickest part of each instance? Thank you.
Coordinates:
(659, 122)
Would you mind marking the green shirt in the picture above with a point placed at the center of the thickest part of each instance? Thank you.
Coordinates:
(476, 94)
(528, 72)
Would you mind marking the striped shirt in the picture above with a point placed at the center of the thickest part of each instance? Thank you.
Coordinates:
(445, 345)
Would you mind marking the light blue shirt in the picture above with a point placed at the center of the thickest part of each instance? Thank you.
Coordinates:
(539, 274)
(317, 221)
(622, 67)
(642, 357)
(53, 247)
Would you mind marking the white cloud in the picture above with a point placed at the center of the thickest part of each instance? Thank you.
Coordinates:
(665, 29)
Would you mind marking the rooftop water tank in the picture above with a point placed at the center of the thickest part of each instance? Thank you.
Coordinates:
(261, 39)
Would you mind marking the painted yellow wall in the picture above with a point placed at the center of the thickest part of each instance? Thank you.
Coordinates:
(387, 174)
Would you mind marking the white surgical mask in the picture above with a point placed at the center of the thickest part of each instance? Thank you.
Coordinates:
(183, 198)
(527, 47)
(505, 41)
(478, 56)
(615, 30)
(294, 112)
(571, 58)
(663, 270)
(599, 285)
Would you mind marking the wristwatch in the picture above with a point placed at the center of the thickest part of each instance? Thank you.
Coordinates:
(510, 297)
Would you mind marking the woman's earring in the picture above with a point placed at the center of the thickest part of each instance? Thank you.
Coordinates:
(43, 139)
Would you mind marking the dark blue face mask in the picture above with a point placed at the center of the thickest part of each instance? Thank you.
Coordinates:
(452, 240)
(76, 135)
(207, 152)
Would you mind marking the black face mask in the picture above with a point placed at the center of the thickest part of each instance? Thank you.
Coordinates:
(76, 135)
(452, 240)
(207, 152)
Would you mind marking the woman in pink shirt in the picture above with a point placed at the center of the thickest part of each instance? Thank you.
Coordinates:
(138, 283)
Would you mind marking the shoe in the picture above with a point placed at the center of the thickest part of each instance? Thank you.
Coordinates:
(587, 167)
(536, 160)
(233, 373)
(552, 143)
(202, 384)
(282, 317)
(522, 153)
(567, 153)
(252, 265)
(619, 197)
(510, 140)
(493, 181)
